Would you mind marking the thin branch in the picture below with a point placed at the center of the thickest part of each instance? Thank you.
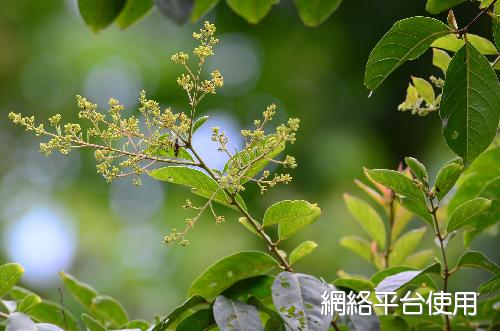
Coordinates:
(465, 29)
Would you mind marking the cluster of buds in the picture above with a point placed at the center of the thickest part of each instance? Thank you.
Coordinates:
(416, 104)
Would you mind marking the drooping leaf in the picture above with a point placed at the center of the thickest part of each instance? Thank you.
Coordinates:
(416, 207)
(10, 274)
(227, 271)
(466, 212)
(200, 121)
(200, 9)
(200, 320)
(368, 218)
(297, 298)
(405, 245)
(252, 10)
(470, 105)
(396, 281)
(291, 215)
(446, 178)
(50, 312)
(473, 259)
(314, 12)
(98, 14)
(440, 59)
(490, 285)
(177, 10)
(199, 183)
(92, 324)
(406, 40)
(235, 315)
(438, 6)
(133, 11)
(359, 246)
(453, 44)
(82, 292)
(28, 303)
(426, 91)
(419, 259)
(301, 251)
(193, 301)
(109, 311)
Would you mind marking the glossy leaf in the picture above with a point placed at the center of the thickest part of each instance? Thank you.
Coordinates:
(297, 298)
(291, 215)
(368, 218)
(82, 292)
(98, 14)
(200, 320)
(28, 303)
(453, 44)
(109, 311)
(251, 10)
(229, 270)
(446, 178)
(314, 12)
(193, 301)
(470, 105)
(10, 274)
(258, 287)
(398, 182)
(359, 246)
(396, 281)
(406, 40)
(201, 120)
(473, 259)
(92, 324)
(199, 183)
(440, 59)
(426, 91)
(301, 251)
(405, 245)
(177, 10)
(133, 11)
(466, 212)
(438, 6)
(200, 9)
(236, 315)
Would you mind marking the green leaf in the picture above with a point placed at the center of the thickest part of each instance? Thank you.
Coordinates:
(258, 287)
(393, 323)
(200, 9)
(251, 10)
(397, 182)
(354, 284)
(193, 301)
(465, 212)
(98, 14)
(416, 207)
(28, 303)
(359, 246)
(405, 245)
(406, 40)
(438, 6)
(496, 24)
(109, 311)
(82, 292)
(92, 324)
(396, 281)
(246, 223)
(200, 121)
(490, 285)
(369, 219)
(315, 12)
(236, 315)
(133, 11)
(419, 259)
(50, 312)
(416, 167)
(10, 274)
(229, 270)
(138, 324)
(440, 59)
(453, 44)
(291, 215)
(200, 320)
(426, 91)
(473, 259)
(301, 251)
(446, 179)
(199, 183)
(470, 105)
(297, 298)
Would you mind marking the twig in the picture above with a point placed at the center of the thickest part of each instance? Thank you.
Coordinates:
(465, 29)
(61, 302)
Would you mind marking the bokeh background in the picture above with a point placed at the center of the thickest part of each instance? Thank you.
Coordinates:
(57, 214)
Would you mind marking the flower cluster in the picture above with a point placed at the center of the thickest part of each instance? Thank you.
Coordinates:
(421, 105)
